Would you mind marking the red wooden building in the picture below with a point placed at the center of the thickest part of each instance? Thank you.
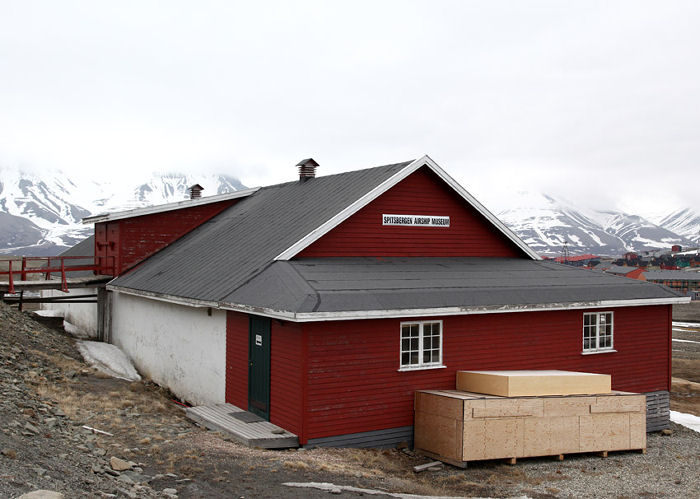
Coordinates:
(324, 303)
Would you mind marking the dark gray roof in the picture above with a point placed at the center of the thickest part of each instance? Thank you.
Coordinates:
(355, 284)
(215, 259)
(673, 275)
(619, 269)
(86, 247)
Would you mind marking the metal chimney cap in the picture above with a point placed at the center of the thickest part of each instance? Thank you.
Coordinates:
(196, 191)
(307, 162)
(307, 168)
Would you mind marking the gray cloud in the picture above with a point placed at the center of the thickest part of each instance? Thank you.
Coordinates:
(594, 101)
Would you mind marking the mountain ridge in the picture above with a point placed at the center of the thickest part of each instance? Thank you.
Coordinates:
(41, 214)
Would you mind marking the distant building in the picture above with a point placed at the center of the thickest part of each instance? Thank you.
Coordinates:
(683, 281)
(579, 260)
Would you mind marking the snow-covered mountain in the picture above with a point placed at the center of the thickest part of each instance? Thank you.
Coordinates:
(41, 214)
(684, 222)
(547, 224)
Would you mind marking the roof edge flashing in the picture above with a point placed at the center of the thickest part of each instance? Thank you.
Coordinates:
(397, 313)
(186, 203)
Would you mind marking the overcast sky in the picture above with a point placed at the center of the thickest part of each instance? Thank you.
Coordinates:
(594, 101)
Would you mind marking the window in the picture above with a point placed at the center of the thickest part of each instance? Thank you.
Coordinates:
(597, 331)
(421, 344)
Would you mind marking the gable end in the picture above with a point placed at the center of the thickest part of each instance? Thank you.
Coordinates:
(420, 186)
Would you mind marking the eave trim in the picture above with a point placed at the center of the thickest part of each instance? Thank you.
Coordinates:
(350, 210)
(150, 210)
(399, 313)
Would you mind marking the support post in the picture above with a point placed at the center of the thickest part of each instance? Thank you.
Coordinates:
(102, 298)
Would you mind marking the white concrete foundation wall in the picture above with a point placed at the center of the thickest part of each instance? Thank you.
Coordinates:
(83, 315)
(179, 347)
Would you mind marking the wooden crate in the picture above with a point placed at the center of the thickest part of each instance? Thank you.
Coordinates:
(532, 383)
(458, 427)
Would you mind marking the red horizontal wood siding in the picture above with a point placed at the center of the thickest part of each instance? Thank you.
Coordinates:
(129, 241)
(286, 376)
(237, 334)
(354, 384)
(421, 193)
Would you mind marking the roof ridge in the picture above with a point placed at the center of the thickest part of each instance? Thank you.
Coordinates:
(332, 175)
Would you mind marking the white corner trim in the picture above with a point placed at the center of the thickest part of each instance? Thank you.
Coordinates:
(150, 210)
(350, 210)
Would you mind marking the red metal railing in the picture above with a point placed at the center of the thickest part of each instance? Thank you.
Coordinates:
(48, 265)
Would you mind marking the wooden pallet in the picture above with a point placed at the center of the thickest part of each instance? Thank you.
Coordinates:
(514, 460)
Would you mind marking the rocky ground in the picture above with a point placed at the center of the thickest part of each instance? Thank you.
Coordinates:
(143, 446)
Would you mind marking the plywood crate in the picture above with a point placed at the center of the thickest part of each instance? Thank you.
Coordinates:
(532, 383)
(458, 427)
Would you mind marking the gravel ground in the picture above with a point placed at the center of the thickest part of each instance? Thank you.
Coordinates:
(48, 394)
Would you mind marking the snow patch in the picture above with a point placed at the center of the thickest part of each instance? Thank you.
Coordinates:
(337, 489)
(688, 420)
(49, 313)
(108, 359)
(74, 330)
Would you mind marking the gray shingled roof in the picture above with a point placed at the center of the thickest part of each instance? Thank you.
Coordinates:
(619, 269)
(353, 284)
(215, 259)
(672, 275)
(229, 261)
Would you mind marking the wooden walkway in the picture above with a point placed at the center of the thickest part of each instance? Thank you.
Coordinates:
(39, 284)
(256, 434)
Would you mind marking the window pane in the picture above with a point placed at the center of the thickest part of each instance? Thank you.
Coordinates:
(426, 357)
(405, 358)
(414, 343)
(414, 358)
(405, 344)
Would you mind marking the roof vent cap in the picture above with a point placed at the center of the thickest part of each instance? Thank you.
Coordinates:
(307, 168)
(196, 191)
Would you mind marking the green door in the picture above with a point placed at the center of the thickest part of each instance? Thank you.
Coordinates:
(259, 367)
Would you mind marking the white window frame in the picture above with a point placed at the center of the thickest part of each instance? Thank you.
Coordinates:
(597, 348)
(421, 365)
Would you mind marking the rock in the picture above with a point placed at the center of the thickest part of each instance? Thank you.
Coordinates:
(119, 464)
(125, 479)
(170, 492)
(335, 490)
(42, 494)
(31, 428)
(9, 453)
(667, 432)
